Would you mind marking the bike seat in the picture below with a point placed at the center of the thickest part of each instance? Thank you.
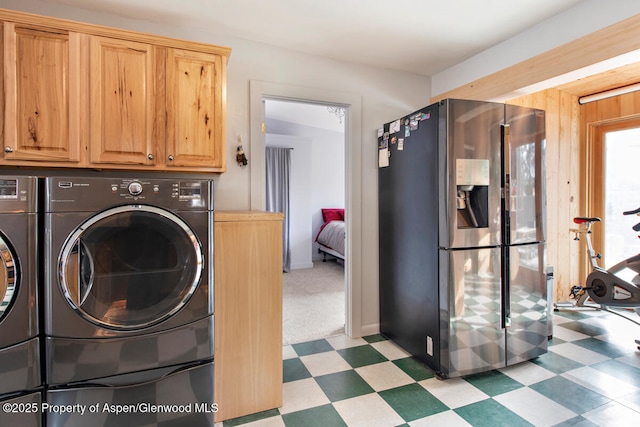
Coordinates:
(585, 219)
(633, 212)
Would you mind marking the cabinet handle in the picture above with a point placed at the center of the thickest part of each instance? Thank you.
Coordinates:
(170, 157)
(150, 156)
(8, 149)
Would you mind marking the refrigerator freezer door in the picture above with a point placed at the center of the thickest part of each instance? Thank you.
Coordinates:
(527, 335)
(473, 339)
(470, 167)
(527, 201)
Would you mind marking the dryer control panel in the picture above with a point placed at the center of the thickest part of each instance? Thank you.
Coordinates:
(93, 193)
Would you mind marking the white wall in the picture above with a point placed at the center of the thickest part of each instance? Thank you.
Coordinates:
(385, 95)
(585, 18)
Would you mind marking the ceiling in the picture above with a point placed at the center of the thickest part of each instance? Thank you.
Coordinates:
(418, 36)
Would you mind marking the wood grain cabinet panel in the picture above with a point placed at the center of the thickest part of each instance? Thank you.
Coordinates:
(195, 118)
(248, 312)
(87, 96)
(42, 102)
(123, 119)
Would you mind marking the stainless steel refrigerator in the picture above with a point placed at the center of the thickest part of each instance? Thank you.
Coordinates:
(462, 255)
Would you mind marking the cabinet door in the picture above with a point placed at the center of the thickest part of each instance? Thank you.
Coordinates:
(122, 102)
(42, 108)
(195, 110)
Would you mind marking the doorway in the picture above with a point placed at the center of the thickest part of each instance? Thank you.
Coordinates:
(312, 137)
(615, 189)
(353, 175)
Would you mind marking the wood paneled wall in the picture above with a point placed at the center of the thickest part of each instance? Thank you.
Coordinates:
(563, 160)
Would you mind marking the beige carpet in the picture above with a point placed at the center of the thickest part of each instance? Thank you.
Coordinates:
(313, 302)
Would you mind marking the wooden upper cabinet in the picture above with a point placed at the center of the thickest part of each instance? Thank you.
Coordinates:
(195, 109)
(41, 94)
(123, 97)
(81, 95)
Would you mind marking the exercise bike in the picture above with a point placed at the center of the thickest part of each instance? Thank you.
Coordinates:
(605, 289)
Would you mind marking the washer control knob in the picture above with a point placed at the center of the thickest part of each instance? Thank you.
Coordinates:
(135, 188)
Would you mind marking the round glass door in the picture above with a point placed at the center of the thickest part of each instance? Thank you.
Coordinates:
(130, 267)
(8, 277)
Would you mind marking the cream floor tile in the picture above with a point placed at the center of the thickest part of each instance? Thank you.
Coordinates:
(566, 334)
(390, 350)
(577, 353)
(534, 407)
(454, 392)
(302, 394)
(527, 373)
(325, 363)
(288, 352)
(366, 411)
(613, 414)
(443, 419)
(383, 376)
(342, 341)
(600, 382)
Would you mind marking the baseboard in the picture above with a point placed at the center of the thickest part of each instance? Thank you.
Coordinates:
(301, 266)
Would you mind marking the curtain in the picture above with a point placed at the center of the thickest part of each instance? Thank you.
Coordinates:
(278, 164)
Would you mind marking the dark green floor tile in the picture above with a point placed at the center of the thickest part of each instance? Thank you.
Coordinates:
(620, 370)
(412, 402)
(312, 347)
(573, 315)
(293, 370)
(579, 421)
(320, 416)
(555, 341)
(361, 356)
(585, 328)
(556, 363)
(251, 418)
(493, 383)
(375, 338)
(414, 368)
(489, 413)
(571, 395)
(343, 385)
(605, 348)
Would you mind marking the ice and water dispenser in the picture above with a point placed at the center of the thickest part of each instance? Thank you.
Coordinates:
(472, 198)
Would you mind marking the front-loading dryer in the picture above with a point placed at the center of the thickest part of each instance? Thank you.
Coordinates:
(20, 373)
(128, 275)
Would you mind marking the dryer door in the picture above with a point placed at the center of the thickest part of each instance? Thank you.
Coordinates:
(130, 267)
(8, 276)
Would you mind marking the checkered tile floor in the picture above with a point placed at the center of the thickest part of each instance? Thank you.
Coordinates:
(589, 377)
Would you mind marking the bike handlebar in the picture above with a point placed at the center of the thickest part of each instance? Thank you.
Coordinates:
(633, 212)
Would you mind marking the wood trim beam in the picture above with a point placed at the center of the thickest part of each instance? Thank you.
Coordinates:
(605, 44)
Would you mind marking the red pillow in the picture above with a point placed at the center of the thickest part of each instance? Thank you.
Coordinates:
(332, 215)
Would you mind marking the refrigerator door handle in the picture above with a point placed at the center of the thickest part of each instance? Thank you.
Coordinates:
(505, 288)
(506, 156)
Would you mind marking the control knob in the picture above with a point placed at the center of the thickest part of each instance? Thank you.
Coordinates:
(135, 188)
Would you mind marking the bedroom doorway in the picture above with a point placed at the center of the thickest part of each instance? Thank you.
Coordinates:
(313, 136)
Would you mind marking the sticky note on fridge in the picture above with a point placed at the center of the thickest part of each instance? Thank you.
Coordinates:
(400, 144)
(380, 132)
(383, 158)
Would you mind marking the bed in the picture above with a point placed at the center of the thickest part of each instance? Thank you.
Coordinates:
(331, 236)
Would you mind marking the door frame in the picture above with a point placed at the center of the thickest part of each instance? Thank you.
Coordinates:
(259, 91)
(594, 179)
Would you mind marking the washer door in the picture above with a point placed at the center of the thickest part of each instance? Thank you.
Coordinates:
(130, 267)
(8, 276)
